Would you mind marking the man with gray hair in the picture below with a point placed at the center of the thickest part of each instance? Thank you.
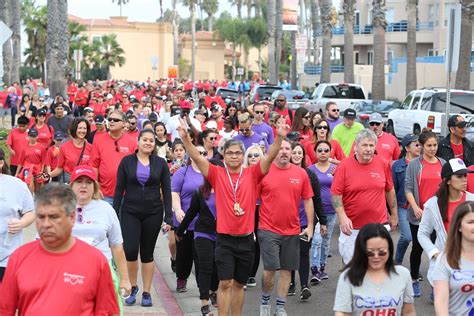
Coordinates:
(360, 179)
(75, 277)
(247, 135)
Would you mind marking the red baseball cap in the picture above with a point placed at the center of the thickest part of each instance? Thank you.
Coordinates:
(185, 105)
(85, 171)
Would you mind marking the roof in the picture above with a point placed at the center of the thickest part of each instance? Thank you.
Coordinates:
(201, 36)
(113, 21)
(228, 53)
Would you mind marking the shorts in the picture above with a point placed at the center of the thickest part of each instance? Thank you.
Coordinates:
(234, 257)
(279, 252)
(346, 245)
(4, 112)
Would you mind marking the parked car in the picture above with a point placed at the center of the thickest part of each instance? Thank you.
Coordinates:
(366, 107)
(263, 92)
(294, 98)
(344, 94)
(228, 95)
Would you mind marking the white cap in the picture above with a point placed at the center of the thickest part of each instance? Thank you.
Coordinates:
(211, 124)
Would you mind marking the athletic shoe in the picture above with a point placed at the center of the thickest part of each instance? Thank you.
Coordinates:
(280, 312)
(420, 278)
(181, 286)
(329, 255)
(213, 298)
(205, 310)
(305, 294)
(416, 289)
(322, 274)
(315, 276)
(292, 290)
(251, 282)
(265, 310)
(173, 265)
(146, 300)
(132, 299)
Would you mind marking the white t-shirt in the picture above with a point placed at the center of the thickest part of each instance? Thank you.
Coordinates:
(173, 124)
(15, 200)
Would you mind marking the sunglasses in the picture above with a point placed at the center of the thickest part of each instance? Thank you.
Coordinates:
(244, 130)
(2, 159)
(380, 253)
(374, 124)
(212, 138)
(335, 110)
(203, 153)
(321, 150)
(281, 100)
(42, 100)
(259, 112)
(233, 153)
(115, 120)
(254, 155)
(322, 127)
(80, 215)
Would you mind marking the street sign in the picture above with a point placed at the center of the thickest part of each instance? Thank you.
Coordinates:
(301, 42)
(173, 72)
(301, 55)
(78, 56)
(5, 33)
(154, 61)
(453, 39)
(240, 71)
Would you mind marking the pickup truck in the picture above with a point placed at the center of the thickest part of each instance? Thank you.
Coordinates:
(344, 94)
(425, 108)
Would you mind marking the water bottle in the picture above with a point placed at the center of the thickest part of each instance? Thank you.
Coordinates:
(8, 241)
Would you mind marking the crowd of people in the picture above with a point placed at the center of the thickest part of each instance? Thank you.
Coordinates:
(236, 187)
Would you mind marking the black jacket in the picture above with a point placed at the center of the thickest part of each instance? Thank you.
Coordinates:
(446, 152)
(143, 199)
(206, 223)
(319, 215)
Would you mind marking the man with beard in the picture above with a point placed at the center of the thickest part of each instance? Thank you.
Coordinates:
(332, 115)
(455, 144)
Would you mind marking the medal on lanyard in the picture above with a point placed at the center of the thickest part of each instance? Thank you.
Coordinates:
(238, 210)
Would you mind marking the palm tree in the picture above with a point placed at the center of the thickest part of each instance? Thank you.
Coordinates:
(57, 46)
(249, 4)
(316, 27)
(238, 4)
(121, 3)
(257, 5)
(106, 53)
(411, 45)
(78, 41)
(210, 7)
(325, 6)
(257, 33)
(463, 75)
(271, 15)
(6, 49)
(175, 24)
(278, 36)
(378, 70)
(348, 7)
(15, 39)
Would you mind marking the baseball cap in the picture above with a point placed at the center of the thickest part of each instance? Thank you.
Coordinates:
(153, 117)
(454, 166)
(88, 110)
(409, 138)
(453, 121)
(216, 107)
(109, 96)
(211, 125)
(41, 112)
(83, 170)
(375, 117)
(99, 119)
(350, 113)
(59, 135)
(33, 132)
(185, 105)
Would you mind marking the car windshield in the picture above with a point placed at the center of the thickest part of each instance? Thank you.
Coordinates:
(460, 102)
(375, 107)
(343, 92)
(228, 94)
(266, 92)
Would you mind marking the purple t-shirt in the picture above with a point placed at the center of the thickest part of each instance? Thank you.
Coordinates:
(333, 123)
(186, 189)
(143, 173)
(211, 203)
(325, 181)
(303, 217)
(255, 139)
(265, 130)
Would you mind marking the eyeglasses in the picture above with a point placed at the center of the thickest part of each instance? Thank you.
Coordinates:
(244, 130)
(132, 123)
(380, 253)
(374, 124)
(116, 146)
(80, 215)
(279, 100)
(212, 138)
(335, 110)
(41, 100)
(115, 120)
(203, 153)
(307, 117)
(321, 150)
(259, 112)
(322, 127)
(233, 153)
(254, 155)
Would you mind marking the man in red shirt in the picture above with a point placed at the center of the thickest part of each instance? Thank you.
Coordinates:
(4, 110)
(470, 180)
(212, 97)
(361, 190)
(81, 99)
(75, 277)
(236, 195)
(17, 141)
(387, 144)
(71, 93)
(281, 108)
(455, 144)
(279, 227)
(108, 149)
(132, 126)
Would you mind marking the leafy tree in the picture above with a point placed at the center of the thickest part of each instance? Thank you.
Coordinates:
(78, 41)
(257, 33)
(232, 30)
(184, 68)
(210, 7)
(106, 53)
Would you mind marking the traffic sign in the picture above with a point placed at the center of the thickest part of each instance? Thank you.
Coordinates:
(301, 42)
(5, 33)
(240, 71)
(453, 39)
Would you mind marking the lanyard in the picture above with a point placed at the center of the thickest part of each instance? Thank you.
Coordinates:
(234, 189)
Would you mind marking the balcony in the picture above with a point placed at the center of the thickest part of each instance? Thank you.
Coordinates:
(401, 26)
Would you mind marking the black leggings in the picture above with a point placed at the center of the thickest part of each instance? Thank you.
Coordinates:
(416, 251)
(303, 270)
(2, 273)
(140, 232)
(256, 259)
(207, 267)
(185, 255)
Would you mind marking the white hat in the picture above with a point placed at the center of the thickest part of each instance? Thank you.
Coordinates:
(109, 96)
(211, 125)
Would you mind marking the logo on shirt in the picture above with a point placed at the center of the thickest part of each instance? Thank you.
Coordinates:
(294, 181)
(375, 175)
(124, 149)
(386, 146)
(73, 279)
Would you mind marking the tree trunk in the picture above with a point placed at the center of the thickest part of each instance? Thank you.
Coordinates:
(239, 9)
(411, 46)
(293, 61)
(249, 9)
(463, 75)
(378, 70)
(210, 23)
(57, 46)
(327, 35)
(175, 25)
(192, 9)
(271, 11)
(278, 37)
(260, 61)
(7, 46)
(316, 25)
(256, 6)
(348, 41)
(234, 61)
(15, 39)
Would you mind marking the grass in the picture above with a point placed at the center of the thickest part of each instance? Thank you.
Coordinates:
(3, 139)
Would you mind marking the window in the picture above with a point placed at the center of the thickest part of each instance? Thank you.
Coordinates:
(343, 92)
(370, 58)
(416, 98)
(356, 58)
(447, 10)
(390, 57)
(390, 15)
(357, 18)
(460, 103)
(406, 102)
(431, 52)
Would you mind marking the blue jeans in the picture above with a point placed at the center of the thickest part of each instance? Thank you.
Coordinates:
(109, 199)
(405, 235)
(321, 244)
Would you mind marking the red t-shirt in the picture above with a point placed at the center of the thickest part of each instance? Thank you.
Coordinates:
(363, 189)
(470, 180)
(217, 98)
(285, 113)
(18, 141)
(428, 180)
(126, 106)
(100, 108)
(336, 151)
(388, 147)
(106, 156)
(52, 157)
(306, 137)
(81, 98)
(458, 150)
(227, 221)
(76, 282)
(451, 207)
(134, 133)
(45, 134)
(281, 191)
(33, 154)
(3, 98)
(71, 92)
(69, 155)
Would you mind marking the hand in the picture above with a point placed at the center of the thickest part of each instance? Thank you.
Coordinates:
(308, 231)
(166, 228)
(183, 129)
(393, 221)
(346, 225)
(179, 215)
(12, 152)
(14, 226)
(282, 129)
(175, 167)
(323, 230)
(125, 287)
(418, 212)
(178, 238)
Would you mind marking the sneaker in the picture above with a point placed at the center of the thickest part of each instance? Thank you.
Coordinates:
(315, 276)
(205, 310)
(292, 290)
(322, 274)
(329, 255)
(173, 265)
(132, 299)
(280, 312)
(416, 289)
(265, 310)
(213, 298)
(146, 300)
(181, 286)
(251, 282)
(420, 278)
(305, 294)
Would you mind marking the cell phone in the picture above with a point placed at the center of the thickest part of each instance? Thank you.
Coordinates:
(304, 238)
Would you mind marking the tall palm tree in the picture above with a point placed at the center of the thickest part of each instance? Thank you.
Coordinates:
(248, 5)
(278, 36)
(57, 46)
(6, 49)
(106, 53)
(15, 10)
(411, 45)
(325, 6)
(78, 41)
(175, 24)
(463, 75)
(316, 27)
(121, 3)
(257, 7)
(378, 71)
(271, 15)
(210, 7)
(238, 4)
(348, 7)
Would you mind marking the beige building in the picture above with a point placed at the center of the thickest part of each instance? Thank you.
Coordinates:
(148, 46)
